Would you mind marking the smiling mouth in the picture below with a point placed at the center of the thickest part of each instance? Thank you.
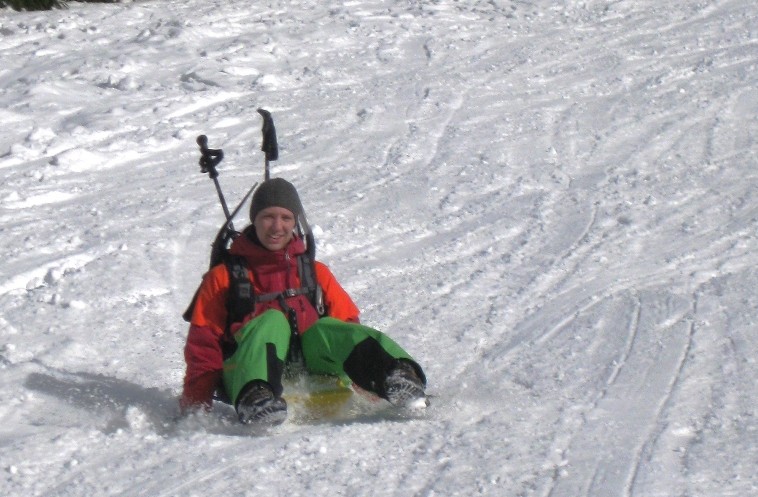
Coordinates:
(276, 239)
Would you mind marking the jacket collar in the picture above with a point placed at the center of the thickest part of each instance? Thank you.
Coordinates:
(247, 245)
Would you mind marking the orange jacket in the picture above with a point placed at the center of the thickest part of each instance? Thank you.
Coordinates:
(270, 272)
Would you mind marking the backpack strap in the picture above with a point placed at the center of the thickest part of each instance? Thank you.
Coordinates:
(240, 299)
(306, 269)
(290, 292)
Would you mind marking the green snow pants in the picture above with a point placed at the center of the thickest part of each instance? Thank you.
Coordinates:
(351, 351)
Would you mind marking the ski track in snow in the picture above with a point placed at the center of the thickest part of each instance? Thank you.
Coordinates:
(552, 205)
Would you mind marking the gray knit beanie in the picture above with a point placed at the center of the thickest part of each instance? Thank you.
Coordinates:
(276, 192)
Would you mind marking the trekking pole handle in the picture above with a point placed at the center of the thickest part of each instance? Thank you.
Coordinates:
(270, 147)
(209, 157)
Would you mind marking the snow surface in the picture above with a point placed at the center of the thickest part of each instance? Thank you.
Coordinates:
(552, 205)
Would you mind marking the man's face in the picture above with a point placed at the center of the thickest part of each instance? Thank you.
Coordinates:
(275, 227)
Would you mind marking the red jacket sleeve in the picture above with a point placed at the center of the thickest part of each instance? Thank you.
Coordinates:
(202, 352)
(338, 302)
(204, 359)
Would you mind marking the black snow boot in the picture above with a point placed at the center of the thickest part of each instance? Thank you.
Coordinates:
(257, 404)
(404, 388)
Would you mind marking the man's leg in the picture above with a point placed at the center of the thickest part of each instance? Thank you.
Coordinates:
(262, 346)
(355, 352)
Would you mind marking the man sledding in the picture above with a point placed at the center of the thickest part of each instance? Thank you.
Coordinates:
(268, 304)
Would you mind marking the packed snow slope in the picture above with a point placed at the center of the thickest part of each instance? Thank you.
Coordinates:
(552, 205)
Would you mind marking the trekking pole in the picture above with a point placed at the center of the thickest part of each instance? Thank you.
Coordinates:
(295, 359)
(269, 146)
(209, 159)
